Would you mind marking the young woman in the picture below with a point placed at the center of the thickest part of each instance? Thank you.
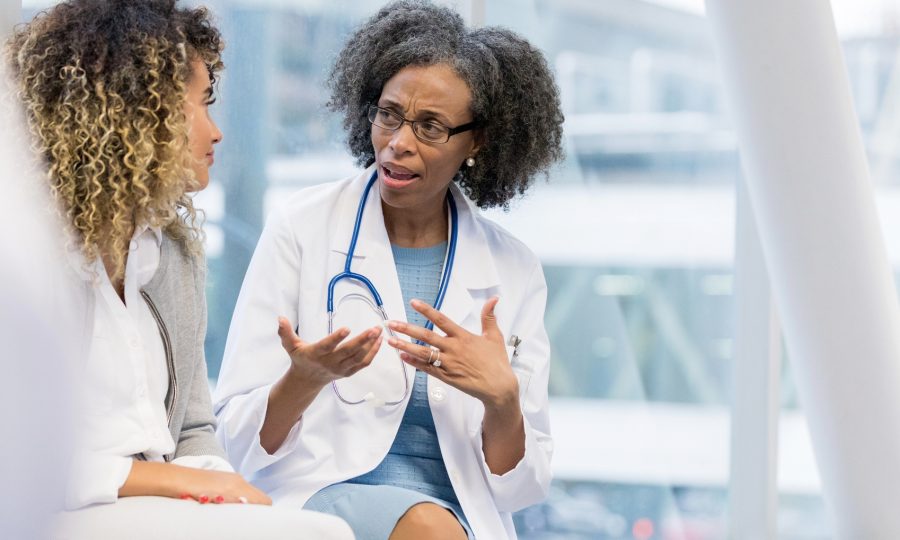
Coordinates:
(117, 94)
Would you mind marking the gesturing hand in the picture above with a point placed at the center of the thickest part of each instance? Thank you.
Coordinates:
(475, 364)
(327, 359)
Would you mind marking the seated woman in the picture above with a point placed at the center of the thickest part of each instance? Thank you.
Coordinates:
(116, 93)
(450, 438)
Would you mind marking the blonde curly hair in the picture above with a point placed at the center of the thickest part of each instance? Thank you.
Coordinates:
(103, 84)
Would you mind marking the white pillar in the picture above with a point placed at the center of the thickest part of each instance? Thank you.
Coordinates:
(752, 488)
(814, 205)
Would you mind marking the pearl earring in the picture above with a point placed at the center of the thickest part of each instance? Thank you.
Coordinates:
(470, 162)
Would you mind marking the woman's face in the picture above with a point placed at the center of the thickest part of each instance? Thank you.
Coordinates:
(414, 173)
(202, 131)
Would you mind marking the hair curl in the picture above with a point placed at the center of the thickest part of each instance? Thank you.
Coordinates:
(103, 84)
(514, 96)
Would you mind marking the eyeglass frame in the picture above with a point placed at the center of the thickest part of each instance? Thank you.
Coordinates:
(451, 131)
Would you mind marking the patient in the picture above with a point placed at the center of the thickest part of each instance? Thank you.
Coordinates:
(117, 96)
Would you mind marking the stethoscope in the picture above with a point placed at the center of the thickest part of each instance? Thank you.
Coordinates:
(378, 304)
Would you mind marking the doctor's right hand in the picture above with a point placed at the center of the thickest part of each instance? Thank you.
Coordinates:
(328, 359)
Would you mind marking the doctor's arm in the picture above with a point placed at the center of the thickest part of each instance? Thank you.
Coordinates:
(527, 482)
(264, 390)
(312, 367)
(514, 440)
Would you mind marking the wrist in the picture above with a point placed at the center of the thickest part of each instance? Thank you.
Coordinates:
(302, 381)
(503, 403)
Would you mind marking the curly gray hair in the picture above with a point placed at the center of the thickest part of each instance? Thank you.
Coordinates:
(514, 97)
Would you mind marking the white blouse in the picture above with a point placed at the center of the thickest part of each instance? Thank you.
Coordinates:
(125, 381)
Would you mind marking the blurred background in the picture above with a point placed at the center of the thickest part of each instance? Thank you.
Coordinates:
(636, 231)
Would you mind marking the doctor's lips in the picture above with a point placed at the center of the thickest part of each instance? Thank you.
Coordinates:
(211, 157)
(396, 176)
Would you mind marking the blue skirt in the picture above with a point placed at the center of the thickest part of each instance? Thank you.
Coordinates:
(374, 510)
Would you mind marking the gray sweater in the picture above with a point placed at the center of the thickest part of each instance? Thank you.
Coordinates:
(177, 296)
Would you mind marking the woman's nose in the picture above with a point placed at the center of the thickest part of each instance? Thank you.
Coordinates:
(403, 139)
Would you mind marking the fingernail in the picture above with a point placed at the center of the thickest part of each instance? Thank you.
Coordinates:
(185, 496)
(219, 499)
(203, 499)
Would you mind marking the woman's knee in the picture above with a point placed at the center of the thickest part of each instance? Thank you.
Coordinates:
(428, 520)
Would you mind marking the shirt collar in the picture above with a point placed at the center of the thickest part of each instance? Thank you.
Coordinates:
(87, 270)
(157, 232)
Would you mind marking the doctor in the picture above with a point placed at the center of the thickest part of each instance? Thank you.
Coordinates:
(403, 430)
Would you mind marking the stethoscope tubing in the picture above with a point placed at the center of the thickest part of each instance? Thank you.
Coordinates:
(349, 274)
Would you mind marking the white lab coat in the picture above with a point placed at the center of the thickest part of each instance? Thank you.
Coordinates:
(303, 246)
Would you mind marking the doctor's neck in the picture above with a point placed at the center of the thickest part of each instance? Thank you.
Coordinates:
(424, 225)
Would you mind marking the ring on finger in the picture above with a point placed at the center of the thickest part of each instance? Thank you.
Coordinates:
(437, 360)
(431, 355)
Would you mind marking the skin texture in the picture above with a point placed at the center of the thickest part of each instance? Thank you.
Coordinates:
(428, 520)
(169, 480)
(203, 133)
(415, 214)
(477, 365)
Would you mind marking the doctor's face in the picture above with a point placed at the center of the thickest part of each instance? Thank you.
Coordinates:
(203, 133)
(413, 172)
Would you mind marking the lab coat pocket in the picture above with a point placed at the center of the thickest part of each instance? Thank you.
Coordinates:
(523, 370)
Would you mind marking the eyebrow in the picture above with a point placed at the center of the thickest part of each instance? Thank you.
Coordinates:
(441, 117)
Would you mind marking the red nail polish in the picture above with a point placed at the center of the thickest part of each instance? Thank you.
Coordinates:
(203, 499)
(185, 496)
(219, 499)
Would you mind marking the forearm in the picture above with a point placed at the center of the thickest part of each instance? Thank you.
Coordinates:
(152, 478)
(503, 436)
(288, 400)
(170, 480)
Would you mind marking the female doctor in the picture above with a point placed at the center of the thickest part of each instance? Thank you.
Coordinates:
(403, 430)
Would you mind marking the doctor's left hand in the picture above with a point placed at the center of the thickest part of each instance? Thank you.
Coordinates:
(475, 364)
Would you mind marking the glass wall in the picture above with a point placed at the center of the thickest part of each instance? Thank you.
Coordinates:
(639, 265)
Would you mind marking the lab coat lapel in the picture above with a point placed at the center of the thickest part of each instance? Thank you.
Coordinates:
(376, 262)
(473, 267)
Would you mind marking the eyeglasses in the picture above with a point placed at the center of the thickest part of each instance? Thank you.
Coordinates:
(424, 130)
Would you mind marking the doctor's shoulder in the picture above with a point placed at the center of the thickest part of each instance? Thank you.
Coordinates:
(507, 250)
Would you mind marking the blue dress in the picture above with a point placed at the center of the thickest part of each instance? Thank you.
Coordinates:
(413, 471)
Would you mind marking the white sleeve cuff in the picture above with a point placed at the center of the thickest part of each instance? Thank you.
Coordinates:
(240, 422)
(529, 481)
(95, 479)
(209, 463)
